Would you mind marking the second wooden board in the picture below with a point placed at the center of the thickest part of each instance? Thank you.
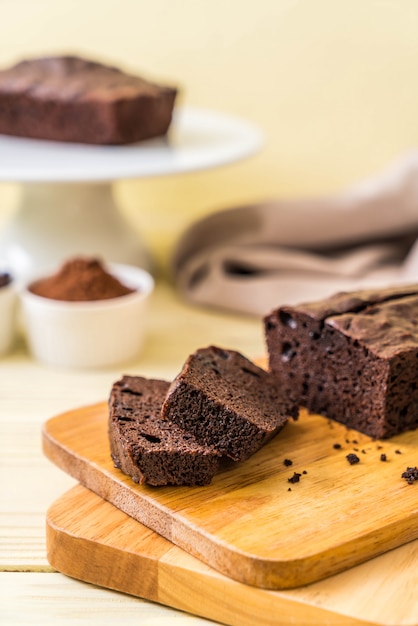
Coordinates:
(251, 523)
(91, 540)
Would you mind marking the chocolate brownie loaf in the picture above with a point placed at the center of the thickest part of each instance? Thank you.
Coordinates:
(70, 99)
(228, 402)
(149, 449)
(352, 357)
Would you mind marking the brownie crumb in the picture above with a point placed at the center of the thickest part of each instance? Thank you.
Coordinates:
(410, 475)
(383, 457)
(289, 489)
(304, 472)
(288, 462)
(398, 452)
(352, 459)
(295, 478)
(337, 446)
(363, 452)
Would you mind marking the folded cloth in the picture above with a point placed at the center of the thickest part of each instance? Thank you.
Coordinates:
(254, 258)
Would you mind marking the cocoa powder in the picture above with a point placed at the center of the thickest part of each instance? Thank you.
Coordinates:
(80, 279)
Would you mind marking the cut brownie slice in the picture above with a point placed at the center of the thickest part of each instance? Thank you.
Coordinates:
(228, 402)
(352, 357)
(149, 449)
(71, 99)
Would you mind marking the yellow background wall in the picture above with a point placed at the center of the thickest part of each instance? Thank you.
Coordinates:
(332, 83)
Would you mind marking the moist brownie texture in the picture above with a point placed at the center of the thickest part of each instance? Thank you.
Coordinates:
(227, 402)
(352, 357)
(70, 99)
(149, 449)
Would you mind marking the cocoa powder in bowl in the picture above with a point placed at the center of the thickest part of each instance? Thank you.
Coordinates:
(80, 279)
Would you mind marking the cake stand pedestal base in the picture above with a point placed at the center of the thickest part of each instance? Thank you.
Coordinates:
(56, 221)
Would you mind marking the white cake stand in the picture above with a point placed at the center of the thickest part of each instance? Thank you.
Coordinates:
(67, 206)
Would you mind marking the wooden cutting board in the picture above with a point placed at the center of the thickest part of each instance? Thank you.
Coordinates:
(91, 540)
(251, 524)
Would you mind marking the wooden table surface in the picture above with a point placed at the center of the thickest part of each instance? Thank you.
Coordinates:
(31, 592)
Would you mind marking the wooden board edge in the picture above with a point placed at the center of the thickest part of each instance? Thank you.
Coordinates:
(170, 582)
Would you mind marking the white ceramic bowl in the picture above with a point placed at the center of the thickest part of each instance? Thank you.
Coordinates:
(8, 299)
(94, 334)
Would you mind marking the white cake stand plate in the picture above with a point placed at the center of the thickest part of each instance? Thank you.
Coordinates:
(67, 205)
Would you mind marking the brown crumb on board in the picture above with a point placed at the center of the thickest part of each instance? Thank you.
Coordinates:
(352, 458)
(410, 475)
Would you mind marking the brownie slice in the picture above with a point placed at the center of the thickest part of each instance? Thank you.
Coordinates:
(71, 99)
(352, 357)
(149, 449)
(228, 402)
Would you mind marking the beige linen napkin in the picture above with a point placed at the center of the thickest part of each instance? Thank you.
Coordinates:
(254, 258)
